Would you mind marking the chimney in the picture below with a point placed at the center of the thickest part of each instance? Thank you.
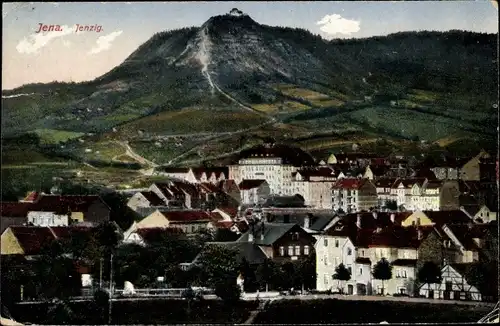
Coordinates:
(262, 231)
(307, 222)
(393, 218)
(358, 221)
(419, 234)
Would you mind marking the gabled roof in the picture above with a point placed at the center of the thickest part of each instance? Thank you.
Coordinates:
(247, 184)
(316, 221)
(317, 172)
(448, 217)
(408, 183)
(379, 170)
(399, 237)
(15, 209)
(153, 198)
(32, 197)
(272, 232)
(231, 212)
(187, 216)
(151, 235)
(198, 172)
(350, 183)
(62, 204)
(248, 250)
(32, 239)
(208, 187)
(385, 182)
(66, 232)
(466, 233)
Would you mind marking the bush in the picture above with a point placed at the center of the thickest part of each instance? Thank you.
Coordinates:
(228, 291)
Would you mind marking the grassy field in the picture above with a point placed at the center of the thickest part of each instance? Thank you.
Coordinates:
(191, 120)
(53, 136)
(100, 151)
(343, 311)
(313, 97)
(161, 311)
(286, 106)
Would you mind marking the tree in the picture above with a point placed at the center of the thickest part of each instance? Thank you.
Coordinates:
(382, 271)
(249, 277)
(391, 205)
(342, 274)
(219, 264)
(265, 273)
(228, 291)
(307, 272)
(429, 273)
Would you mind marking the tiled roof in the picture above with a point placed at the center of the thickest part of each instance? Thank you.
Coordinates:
(209, 187)
(448, 217)
(363, 260)
(399, 237)
(250, 251)
(15, 209)
(6, 222)
(64, 204)
(272, 232)
(32, 197)
(66, 232)
(32, 239)
(223, 224)
(349, 183)
(186, 216)
(215, 216)
(317, 172)
(373, 220)
(153, 198)
(404, 262)
(232, 212)
(157, 234)
(247, 184)
(316, 221)
(466, 233)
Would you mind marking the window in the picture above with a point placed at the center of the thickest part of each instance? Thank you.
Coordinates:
(349, 268)
(349, 251)
(398, 273)
(295, 236)
(362, 253)
(360, 271)
(282, 251)
(326, 278)
(336, 243)
(402, 290)
(297, 250)
(404, 274)
(325, 260)
(325, 242)
(290, 250)
(306, 250)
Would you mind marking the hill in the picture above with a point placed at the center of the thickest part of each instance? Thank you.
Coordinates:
(411, 85)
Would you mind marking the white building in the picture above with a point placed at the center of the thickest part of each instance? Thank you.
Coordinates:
(354, 195)
(47, 219)
(254, 192)
(273, 163)
(315, 185)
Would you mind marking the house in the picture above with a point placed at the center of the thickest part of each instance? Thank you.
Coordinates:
(178, 194)
(354, 195)
(254, 191)
(374, 172)
(145, 199)
(230, 188)
(383, 187)
(468, 239)
(425, 196)
(436, 247)
(456, 284)
(438, 218)
(190, 221)
(403, 278)
(149, 236)
(471, 169)
(480, 213)
(280, 241)
(57, 210)
(209, 174)
(401, 191)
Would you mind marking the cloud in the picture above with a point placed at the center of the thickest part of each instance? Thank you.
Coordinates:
(104, 42)
(336, 24)
(35, 42)
(66, 43)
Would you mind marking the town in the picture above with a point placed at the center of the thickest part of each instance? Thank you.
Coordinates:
(276, 223)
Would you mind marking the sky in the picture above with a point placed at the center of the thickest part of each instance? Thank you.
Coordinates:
(30, 56)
